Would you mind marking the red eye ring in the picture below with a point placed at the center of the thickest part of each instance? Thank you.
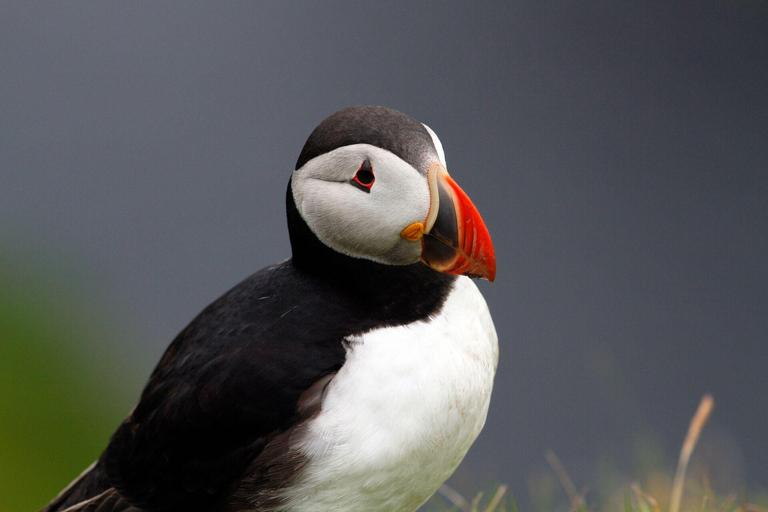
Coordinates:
(364, 178)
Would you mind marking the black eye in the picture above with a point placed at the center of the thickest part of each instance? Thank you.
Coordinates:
(364, 178)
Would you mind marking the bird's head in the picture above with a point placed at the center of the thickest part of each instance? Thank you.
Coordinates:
(372, 183)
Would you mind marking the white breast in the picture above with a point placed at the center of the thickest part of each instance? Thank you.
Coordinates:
(402, 412)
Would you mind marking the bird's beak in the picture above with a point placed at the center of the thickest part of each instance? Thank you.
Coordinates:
(454, 238)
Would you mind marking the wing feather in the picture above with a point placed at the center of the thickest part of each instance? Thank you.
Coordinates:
(227, 385)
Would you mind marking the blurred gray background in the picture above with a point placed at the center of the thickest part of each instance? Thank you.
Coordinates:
(618, 152)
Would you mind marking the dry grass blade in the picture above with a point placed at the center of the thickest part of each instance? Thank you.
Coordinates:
(708, 492)
(694, 431)
(476, 502)
(455, 498)
(704, 500)
(728, 502)
(576, 500)
(497, 498)
(645, 496)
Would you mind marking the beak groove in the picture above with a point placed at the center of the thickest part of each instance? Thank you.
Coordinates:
(456, 240)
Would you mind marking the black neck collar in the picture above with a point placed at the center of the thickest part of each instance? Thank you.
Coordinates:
(406, 292)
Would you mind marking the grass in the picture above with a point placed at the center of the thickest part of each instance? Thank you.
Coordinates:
(661, 493)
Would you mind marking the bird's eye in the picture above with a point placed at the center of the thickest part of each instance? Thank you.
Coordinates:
(364, 178)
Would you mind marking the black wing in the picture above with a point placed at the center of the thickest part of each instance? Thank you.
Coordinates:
(108, 501)
(227, 385)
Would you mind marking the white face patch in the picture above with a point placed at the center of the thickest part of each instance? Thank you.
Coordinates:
(359, 223)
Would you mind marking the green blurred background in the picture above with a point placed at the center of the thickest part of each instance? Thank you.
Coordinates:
(63, 388)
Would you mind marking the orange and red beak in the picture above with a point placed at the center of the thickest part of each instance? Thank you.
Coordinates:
(455, 239)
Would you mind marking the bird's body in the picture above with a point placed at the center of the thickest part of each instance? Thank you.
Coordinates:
(350, 377)
(373, 447)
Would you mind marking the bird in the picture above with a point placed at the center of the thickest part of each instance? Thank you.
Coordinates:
(353, 376)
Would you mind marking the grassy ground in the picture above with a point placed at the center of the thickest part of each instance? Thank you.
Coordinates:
(697, 497)
(655, 492)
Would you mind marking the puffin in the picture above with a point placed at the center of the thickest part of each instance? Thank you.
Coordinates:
(352, 377)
